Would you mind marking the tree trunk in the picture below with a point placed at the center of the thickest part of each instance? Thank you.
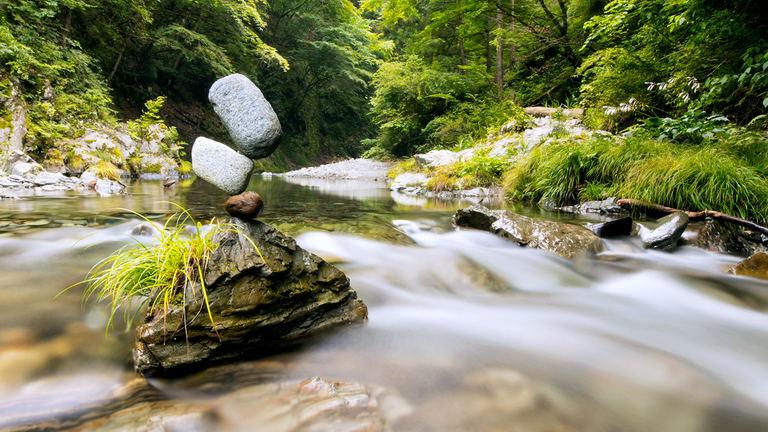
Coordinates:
(512, 60)
(499, 50)
(117, 63)
(487, 51)
(67, 24)
(462, 55)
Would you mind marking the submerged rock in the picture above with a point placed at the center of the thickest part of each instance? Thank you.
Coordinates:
(256, 306)
(563, 239)
(667, 233)
(249, 118)
(218, 164)
(754, 266)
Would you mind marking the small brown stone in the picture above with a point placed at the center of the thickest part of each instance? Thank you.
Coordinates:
(246, 206)
(754, 266)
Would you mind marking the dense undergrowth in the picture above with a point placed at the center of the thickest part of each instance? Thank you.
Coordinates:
(727, 174)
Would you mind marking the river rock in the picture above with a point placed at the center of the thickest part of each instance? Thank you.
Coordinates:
(562, 239)
(667, 233)
(405, 180)
(614, 228)
(436, 158)
(249, 118)
(754, 266)
(220, 165)
(246, 206)
(257, 306)
(719, 237)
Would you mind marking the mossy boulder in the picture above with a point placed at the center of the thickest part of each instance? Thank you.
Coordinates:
(257, 306)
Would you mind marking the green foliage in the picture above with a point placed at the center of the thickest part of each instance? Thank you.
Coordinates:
(480, 170)
(140, 277)
(693, 126)
(725, 174)
(667, 44)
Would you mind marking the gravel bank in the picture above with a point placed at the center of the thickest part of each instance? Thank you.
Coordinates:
(351, 169)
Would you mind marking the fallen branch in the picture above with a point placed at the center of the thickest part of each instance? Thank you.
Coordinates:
(700, 215)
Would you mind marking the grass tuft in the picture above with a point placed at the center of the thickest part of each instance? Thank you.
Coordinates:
(157, 275)
(726, 175)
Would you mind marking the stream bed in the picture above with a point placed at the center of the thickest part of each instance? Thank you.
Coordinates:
(466, 332)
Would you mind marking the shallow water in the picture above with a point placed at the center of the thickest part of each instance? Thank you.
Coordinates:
(465, 332)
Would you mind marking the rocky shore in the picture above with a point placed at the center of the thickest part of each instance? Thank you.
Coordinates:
(351, 169)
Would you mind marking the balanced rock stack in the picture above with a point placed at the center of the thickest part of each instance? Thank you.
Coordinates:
(251, 123)
(262, 291)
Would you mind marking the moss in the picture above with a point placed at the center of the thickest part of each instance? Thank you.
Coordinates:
(76, 162)
(151, 168)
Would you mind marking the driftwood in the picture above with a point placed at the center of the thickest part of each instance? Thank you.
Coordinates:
(699, 215)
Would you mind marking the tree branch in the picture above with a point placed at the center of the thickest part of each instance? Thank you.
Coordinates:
(700, 215)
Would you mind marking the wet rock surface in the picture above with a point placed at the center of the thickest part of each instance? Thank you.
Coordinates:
(246, 206)
(665, 236)
(257, 306)
(718, 237)
(220, 165)
(614, 228)
(249, 118)
(562, 239)
(754, 266)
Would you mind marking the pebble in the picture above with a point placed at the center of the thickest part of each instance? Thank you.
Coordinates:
(246, 206)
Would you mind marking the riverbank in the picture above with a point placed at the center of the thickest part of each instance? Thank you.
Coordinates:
(351, 169)
(552, 159)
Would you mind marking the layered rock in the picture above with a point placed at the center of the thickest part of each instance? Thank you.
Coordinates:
(562, 239)
(256, 305)
(249, 118)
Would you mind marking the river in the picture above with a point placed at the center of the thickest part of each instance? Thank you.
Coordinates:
(466, 332)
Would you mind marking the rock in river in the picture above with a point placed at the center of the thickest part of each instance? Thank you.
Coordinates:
(220, 165)
(246, 206)
(754, 266)
(667, 233)
(612, 228)
(563, 239)
(256, 306)
(249, 118)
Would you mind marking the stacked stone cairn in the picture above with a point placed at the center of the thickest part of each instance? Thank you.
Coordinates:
(255, 129)
(264, 291)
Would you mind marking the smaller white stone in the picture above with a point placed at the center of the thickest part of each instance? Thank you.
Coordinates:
(216, 163)
(408, 179)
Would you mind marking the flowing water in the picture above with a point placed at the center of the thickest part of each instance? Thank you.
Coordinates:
(466, 332)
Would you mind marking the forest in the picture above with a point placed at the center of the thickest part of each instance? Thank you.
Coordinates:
(391, 78)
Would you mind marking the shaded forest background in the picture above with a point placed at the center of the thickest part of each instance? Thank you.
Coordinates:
(388, 78)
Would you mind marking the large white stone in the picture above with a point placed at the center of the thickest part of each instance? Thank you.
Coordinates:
(218, 164)
(249, 118)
